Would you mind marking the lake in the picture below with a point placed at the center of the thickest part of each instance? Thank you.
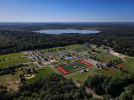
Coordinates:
(59, 31)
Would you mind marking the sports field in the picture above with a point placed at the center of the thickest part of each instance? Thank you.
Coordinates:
(65, 69)
(40, 74)
(60, 53)
(81, 49)
(107, 57)
(104, 72)
(128, 67)
(130, 60)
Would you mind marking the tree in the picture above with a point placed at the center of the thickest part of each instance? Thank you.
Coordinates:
(33, 69)
(120, 68)
(67, 96)
(89, 95)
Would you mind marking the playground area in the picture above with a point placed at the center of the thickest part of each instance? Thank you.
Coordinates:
(69, 68)
(60, 53)
(81, 49)
(53, 61)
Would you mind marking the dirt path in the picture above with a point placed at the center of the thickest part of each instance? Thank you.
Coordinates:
(89, 90)
(53, 69)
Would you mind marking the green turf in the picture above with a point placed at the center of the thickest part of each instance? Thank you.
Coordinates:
(73, 46)
(32, 65)
(68, 46)
(60, 53)
(13, 61)
(46, 50)
(41, 73)
(130, 60)
(81, 49)
(128, 67)
(107, 57)
(11, 55)
(70, 67)
(104, 72)
(81, 76)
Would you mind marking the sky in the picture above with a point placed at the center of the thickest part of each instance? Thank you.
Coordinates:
(66, 10)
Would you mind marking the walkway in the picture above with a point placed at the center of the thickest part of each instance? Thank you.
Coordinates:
(89, 90)
(53, 69)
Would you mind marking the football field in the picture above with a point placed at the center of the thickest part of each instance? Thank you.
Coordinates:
(66, 69)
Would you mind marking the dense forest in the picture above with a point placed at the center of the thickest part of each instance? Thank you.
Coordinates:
(51, 87)
(57, 87)
(112, 86)
(118, 36)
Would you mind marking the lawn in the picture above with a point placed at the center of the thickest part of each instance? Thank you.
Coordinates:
(32, 65)
(40, 74)
(13, 61)
(128, 67)
(11, 55)
(81, 49)
(104, 72)
(130, 60)
(13, 77)
(68, 46)
(81, 76)
(46, 50)
(60, 53)
(73, 46)
(107, 57)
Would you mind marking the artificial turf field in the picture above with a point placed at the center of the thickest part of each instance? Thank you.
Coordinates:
(60, 53)
(81, 49)
(73, 67)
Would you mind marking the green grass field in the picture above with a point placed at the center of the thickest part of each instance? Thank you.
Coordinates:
(13, 61)
(104, 72)
(107, 57)
(68, 46)
(11, 55)
(73, 46)
(81, 49)
(41, 73)
(60, 53)
(128, 67)
(70, 67)
(3, 80)
(32, 65)
(130, 60)
(81, 76)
